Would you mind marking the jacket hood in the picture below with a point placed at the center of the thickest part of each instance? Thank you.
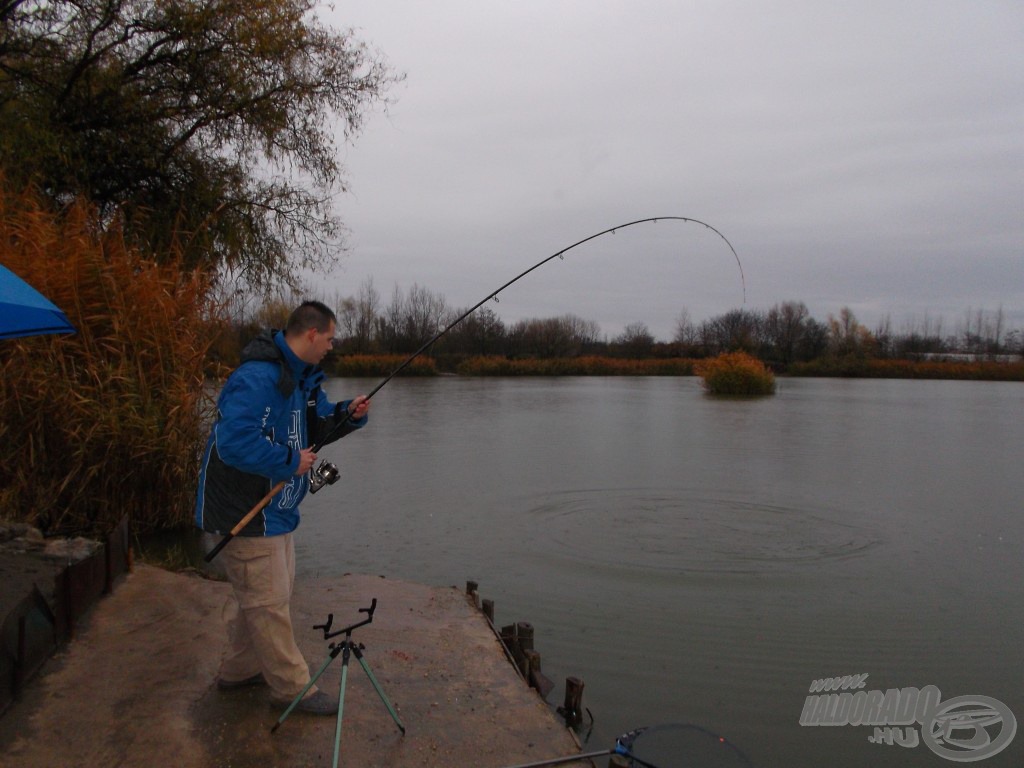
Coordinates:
(263, 348)
(267, 347)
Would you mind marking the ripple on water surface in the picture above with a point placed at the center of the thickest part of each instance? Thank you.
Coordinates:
(679, 531)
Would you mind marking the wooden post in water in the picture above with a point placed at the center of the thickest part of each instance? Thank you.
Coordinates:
(524, 643)
(532, 666)
(517, 642)
(473, 593)
(508, 636)
(536, 678)
(572, 710)
(508, 639)
(524, 635)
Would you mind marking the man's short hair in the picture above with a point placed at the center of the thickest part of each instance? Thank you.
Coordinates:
(310, 314)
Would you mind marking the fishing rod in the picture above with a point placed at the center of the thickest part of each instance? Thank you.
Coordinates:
(328, 474)
(674, 744)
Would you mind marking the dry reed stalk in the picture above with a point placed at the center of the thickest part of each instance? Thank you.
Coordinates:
(108, 420)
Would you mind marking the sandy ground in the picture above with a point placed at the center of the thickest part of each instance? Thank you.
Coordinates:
(136, 686)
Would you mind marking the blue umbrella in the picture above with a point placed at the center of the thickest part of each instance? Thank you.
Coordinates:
(26, 312)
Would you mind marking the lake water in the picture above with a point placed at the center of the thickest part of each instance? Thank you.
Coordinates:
(703, 560)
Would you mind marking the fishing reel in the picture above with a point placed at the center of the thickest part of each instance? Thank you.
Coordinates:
(326, 474)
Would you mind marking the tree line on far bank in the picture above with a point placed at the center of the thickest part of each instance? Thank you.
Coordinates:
(785, 336)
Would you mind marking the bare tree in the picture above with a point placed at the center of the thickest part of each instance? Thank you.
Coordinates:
(685, 331)
(409, 321)
(847, 336)
(784, 328)
(358, 317)
(481, 333)
(426, 312)
(636, 340)
(736, 330)
(564, 336)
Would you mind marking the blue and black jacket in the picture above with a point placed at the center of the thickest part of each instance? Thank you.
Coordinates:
(261, 426)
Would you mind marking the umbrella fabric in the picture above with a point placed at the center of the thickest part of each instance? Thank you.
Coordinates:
(26, 312)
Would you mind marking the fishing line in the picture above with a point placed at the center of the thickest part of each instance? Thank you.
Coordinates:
(557, 255)
(493, 295)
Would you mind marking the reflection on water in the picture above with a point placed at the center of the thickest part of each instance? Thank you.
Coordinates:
(702, 561)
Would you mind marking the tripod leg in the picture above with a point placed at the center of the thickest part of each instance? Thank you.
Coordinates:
(341, 706)
(380, 691)
(297, 699)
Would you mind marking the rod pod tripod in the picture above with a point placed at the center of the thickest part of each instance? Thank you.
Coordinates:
(345, 649)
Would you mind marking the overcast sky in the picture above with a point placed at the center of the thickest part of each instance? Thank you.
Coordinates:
(859, 154)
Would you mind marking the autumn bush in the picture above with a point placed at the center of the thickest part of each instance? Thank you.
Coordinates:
(736, 373)
(109, 420)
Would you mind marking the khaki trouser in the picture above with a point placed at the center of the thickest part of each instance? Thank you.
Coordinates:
(261, 570)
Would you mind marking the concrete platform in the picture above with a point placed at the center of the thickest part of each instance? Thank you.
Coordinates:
(136, 686)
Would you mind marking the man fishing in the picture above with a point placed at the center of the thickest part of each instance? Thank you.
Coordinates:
(243, 461)
(269, 413)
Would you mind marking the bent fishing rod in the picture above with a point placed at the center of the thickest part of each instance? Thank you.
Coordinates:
(493, 295)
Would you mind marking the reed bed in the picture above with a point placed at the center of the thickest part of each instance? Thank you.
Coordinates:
(108, 420)
(981, 370)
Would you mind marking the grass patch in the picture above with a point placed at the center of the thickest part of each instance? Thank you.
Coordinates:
(176, 549)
